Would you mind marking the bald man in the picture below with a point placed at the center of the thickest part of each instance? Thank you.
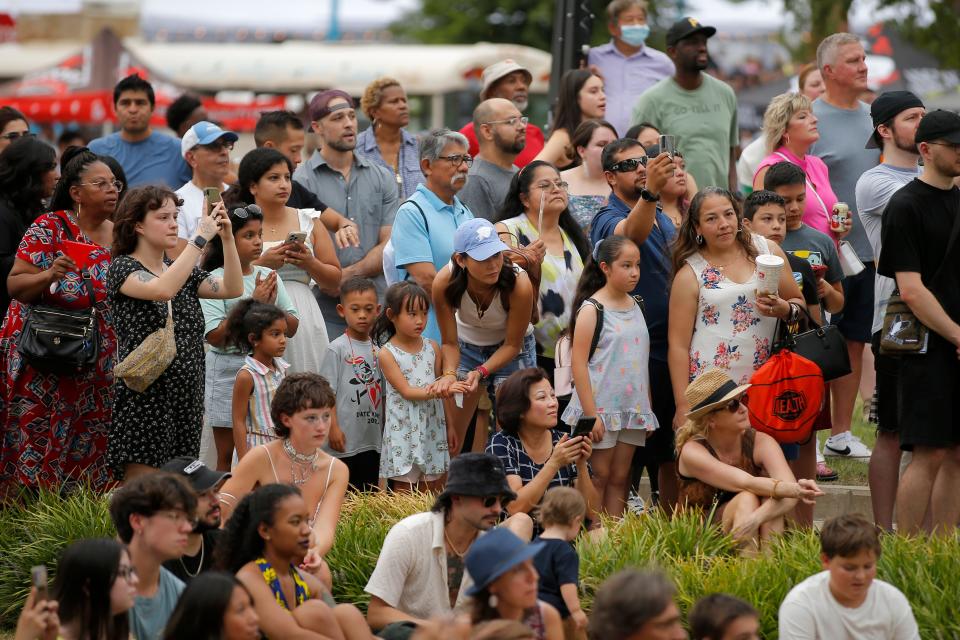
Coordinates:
(501, 134)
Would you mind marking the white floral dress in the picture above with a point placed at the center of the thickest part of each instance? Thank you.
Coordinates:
(729, 332)
(414, 432)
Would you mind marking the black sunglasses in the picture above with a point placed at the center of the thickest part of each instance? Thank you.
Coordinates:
(489, 501)
(734, 405)
(630, 164)
(245, 212)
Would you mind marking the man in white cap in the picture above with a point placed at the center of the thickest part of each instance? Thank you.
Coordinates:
(206, 148)
(509, 80)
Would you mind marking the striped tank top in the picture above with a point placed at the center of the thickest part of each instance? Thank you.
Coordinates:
(265, 382)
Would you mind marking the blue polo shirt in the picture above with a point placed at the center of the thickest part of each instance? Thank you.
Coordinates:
(655, 270)
(427, 237)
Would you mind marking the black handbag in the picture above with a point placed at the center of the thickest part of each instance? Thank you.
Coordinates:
(824, 345)
(61, 341)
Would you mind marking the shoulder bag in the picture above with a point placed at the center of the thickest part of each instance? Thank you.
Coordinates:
(61, 341)
(823, 345)
(147, 362)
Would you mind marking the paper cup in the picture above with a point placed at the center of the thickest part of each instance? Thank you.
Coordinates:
(768, 274)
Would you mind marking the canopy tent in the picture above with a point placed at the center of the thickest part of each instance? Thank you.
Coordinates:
(80, 88)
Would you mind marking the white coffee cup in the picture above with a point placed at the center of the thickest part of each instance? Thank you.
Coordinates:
(768, 274)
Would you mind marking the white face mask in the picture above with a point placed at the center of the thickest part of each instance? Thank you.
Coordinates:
(634, 34)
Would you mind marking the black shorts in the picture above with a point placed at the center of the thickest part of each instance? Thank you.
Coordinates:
(660, 445)
(855, 321)
(928, 395)
(885, 392)
(364, 470)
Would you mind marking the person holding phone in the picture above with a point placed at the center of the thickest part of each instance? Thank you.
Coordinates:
(535, 454)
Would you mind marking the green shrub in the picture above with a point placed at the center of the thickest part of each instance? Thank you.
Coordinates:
(697, 557)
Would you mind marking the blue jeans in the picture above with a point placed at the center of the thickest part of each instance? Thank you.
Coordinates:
(472, 356)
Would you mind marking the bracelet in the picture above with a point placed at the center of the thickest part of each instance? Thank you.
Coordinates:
(449, 373)
(776, 483)
(483, 371)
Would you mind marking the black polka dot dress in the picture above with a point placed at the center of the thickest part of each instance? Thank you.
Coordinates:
(165, 420)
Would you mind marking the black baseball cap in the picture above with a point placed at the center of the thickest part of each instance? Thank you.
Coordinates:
(886, 107)
(686, 27)
(201, 477)
(939, 125)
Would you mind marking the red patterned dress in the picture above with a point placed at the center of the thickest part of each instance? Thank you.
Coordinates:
(54, 428)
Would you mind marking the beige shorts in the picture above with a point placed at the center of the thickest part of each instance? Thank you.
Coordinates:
(636, 437)
(416, 475)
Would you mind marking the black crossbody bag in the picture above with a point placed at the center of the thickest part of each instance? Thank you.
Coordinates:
(61, 341)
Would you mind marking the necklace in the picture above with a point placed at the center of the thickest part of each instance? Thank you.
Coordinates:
(482, 306)
(721, 267)
(456, 552)
(302, 466)
(199, 566)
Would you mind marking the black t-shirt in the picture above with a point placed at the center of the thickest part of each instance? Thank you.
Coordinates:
(188, 567)
(916, 232)
(808, 281)
(557, 564)
(303, 198)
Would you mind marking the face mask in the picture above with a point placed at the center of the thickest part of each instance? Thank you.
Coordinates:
(634, 34)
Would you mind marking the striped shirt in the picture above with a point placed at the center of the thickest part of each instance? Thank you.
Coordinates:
(265, 382)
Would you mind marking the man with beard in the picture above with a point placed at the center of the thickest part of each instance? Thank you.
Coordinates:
(697, 108)
(206, 148)
(502, 134)
(363, 192)
(420, 572)
(896, 116)
(508, 80)
(921, 250)
(633, 211)
(421, 242)
(201, 542)
(147, 156)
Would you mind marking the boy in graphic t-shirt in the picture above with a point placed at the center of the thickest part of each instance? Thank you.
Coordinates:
(352, 369)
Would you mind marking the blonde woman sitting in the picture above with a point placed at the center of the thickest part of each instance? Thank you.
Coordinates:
(726, 466)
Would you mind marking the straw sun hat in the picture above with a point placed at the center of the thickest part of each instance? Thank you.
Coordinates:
(710, 391)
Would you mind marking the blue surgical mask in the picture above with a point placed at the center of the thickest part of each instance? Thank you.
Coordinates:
(634, 34)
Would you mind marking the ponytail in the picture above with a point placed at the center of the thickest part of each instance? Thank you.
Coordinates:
(592, 279)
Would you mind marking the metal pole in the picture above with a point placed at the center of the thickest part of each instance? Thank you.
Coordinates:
(333, 33)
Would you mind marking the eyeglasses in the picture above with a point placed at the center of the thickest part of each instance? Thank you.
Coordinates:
(953, 145)
(179, 517)
(127, 572)
(13, 135)
(556, 184)
(630, 164)
(217, 145)
(522, 120)
(458, 159)
(489, 501)
(104, 185)
(245, 212)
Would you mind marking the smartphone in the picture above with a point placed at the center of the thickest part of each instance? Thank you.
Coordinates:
(584, 427)
(668, 144)
(38, 576)
(212, 197)
(296, 236)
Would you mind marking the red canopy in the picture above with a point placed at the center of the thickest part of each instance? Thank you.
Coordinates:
(80, 89)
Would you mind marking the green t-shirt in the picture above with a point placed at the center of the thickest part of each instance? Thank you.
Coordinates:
(704, 122)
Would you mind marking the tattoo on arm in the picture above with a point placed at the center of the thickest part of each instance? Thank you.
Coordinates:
(145, 276)
(214, 284)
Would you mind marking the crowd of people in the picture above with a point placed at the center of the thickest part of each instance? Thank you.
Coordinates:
(517, 322)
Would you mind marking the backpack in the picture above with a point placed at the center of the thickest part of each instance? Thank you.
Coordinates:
(563, 354)
(785, 397)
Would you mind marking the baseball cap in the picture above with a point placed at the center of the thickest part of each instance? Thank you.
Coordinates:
(478, 239)
(499, 70)
(319, 105)
(939, 125)
(686, 27)
(204, 133)
(200, 476)
(886, 106)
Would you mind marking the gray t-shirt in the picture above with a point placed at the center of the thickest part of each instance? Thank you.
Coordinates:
(350, 366)
(843, 132)
(874, 189)
(487, 186)
(149, 616)
(815, 247)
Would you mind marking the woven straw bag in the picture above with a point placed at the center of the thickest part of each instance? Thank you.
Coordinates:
(146, 363)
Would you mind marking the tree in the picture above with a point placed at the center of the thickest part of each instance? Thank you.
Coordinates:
(937, 32)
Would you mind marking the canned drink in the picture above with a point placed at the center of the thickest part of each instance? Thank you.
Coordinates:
(839, 217)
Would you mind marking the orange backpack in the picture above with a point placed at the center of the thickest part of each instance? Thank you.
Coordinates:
(785, 397)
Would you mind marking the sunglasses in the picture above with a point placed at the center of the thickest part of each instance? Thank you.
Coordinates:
(630, 164)
(245, 212)
(734, 405)
(489, 501)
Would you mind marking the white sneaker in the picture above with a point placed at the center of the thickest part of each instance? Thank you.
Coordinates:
(635, 504)
(846, 445)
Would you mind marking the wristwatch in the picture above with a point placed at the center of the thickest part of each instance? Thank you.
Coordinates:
(199, 242)
(648, 195)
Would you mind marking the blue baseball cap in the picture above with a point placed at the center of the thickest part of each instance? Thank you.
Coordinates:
(494, 553)
(478, 239)
(204, 133)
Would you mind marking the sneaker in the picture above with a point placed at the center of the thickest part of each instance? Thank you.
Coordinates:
(825, 473)
(635, 504)
(846, 446)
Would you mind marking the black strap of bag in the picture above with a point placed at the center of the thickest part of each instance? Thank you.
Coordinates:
(599, 326)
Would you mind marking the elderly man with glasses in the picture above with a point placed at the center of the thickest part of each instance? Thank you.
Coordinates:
(421, 241)
(502, 134)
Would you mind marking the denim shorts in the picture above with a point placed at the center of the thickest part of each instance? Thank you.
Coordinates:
(472, 356)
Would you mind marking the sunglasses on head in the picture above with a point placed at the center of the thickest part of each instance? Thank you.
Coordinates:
(630, 164)
(245, 212)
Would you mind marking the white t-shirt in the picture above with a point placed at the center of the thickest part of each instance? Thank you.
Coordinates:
(189, 216)
(810, 612)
